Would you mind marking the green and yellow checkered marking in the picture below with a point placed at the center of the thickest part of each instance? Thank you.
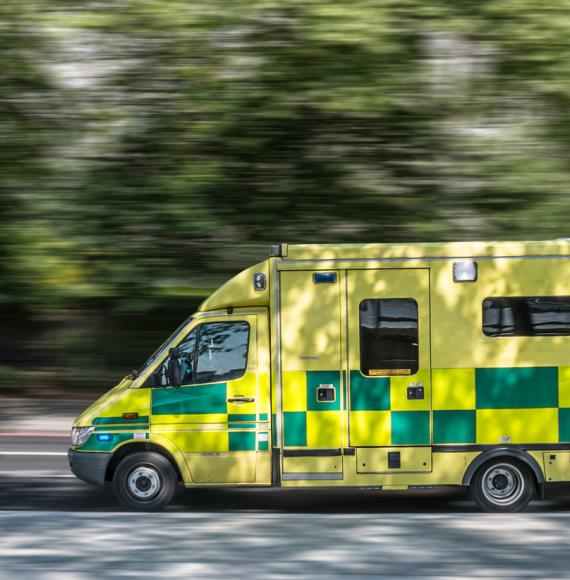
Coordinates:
(308, 422)
(379, 414)
(487, 406)
(382, 416)
(490, 406)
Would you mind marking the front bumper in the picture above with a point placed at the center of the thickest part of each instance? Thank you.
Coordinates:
(90, 467)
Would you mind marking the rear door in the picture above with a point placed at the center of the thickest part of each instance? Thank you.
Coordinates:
(389, 382)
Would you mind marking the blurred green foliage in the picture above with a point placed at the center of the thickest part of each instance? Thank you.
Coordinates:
(150, 149)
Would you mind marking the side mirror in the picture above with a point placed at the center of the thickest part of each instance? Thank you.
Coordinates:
(174, 368)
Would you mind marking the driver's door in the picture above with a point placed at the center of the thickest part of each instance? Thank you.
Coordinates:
(214, 407)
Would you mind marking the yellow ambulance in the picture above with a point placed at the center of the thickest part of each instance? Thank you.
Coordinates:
(373, 365)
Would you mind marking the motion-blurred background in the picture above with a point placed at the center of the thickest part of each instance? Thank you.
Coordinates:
(150, 149)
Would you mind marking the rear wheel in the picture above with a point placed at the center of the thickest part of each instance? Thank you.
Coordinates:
(503, 485)
(145, 481)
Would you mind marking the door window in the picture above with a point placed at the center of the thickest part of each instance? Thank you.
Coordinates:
(389, 337)
(222, 351)
(186, 355)
(211, 352)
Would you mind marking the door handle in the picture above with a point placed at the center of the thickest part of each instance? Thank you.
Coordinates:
(415, 391)
(326, 394)
(240, 400)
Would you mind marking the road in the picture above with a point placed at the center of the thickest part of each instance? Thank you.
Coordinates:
(54, 526)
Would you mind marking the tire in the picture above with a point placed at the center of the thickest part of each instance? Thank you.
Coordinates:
(503, 485)
(145, 481)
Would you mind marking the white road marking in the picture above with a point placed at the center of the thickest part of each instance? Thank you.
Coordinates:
(45, 453)
(45, 474)
(19, 434)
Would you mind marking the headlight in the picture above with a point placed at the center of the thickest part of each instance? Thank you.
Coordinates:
(80, 434)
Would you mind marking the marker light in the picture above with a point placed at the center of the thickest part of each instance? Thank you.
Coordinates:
(465, 271)
(130, 416)
(259, 281)
(324, 277)
(104, 437)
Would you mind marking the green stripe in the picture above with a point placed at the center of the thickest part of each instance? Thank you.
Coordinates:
(410, 427)
(564, 425)
(195, 400)
(115, 428)
(454, 426)
(295, 429)
(369, 393)
(93, 444)
(119, 421)
(517, 388)
(244, 417)
(263, 417)
(263, 445)
(241, 426)
(242, 441)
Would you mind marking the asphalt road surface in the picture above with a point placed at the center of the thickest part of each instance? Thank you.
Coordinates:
(54, 526)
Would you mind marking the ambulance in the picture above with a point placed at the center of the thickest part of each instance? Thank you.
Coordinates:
(386, 366)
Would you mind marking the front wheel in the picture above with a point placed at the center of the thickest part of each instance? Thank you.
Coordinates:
(145, 481)
(503, 485)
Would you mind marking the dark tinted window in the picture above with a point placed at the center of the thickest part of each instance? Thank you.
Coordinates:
(389, 337)
(527, 316)
(222, 351)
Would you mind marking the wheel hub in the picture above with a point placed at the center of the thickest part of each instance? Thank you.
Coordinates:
(144, 483)
(500, 482)
(503, 484)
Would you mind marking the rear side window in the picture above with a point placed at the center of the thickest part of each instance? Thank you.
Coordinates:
(222, 351)
(389, 337)
(527, 316)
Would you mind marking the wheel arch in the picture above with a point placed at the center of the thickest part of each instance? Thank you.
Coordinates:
(129, 448)
(507, 452)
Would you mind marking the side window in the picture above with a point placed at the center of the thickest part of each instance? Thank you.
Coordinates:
(389, 337)
(186, 354)
(211, 352)
(527, 316)
(222, 351)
